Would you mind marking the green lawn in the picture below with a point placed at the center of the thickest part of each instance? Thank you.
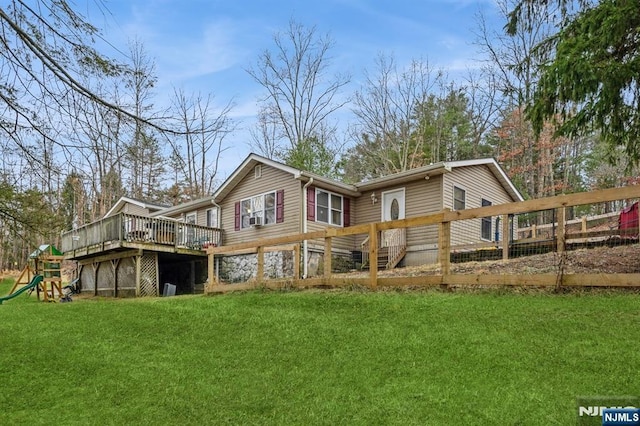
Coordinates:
(316, 358)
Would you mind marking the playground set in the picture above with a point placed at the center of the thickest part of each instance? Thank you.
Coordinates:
(43, 275)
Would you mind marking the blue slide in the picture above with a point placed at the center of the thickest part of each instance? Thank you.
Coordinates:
(37, 279)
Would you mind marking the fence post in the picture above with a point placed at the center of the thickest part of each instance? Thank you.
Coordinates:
(444, 247)
(210, 270)
(373, 256)
(260, 272)
(327, 260)
(562, 214)
(506, 236)
(296, 262)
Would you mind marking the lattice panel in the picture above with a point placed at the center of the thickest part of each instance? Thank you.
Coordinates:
(148, 275)
(106, 277)
(87, 279)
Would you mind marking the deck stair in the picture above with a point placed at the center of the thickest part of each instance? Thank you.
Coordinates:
(392, 249)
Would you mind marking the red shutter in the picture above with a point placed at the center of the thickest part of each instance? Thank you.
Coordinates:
(311, 204)
(346, 212)
(237, 217)
(280, 206)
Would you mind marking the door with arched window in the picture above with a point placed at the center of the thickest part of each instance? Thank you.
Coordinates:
(392, 209)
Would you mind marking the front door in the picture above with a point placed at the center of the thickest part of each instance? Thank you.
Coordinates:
(392, 209)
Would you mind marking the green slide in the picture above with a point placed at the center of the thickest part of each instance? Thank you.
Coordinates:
(37, 279)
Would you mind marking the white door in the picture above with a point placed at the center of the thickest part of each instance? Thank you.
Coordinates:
(392, 209)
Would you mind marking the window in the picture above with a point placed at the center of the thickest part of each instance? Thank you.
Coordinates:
(485, 227)
(459, 196)
(328, 207)
(257, 171)
(191, 218)
(263, 206)
(212, 217)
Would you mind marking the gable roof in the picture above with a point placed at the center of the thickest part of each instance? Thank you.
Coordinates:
(185, 207)
(152, 207)
(356, 190)
(253, 160)
(441, 168)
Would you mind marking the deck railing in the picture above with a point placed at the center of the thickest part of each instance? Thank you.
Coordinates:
(130, 228)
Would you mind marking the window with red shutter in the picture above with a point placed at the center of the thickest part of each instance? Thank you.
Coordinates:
(280, 206)
(346, 211)
(237, 216)
(311, 204)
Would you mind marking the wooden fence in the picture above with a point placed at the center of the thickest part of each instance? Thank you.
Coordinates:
(444, 277)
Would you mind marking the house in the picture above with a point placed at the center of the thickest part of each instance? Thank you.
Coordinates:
(263, 198)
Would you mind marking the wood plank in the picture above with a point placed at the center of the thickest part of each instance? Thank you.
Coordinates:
(444, 247)
(565, 200)
(296, 261)
(327, 258)
(373, 255)
(111, 256)
(506, 236)
(561, 239)
(417, 281)
(260, 271)
(601, 280)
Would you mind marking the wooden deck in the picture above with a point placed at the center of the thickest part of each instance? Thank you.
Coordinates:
(125, 232)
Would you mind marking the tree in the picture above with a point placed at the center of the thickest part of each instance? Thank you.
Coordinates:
(387, 110)
(51, 79)
(144, 152)
(196, 148)
(444, 126)
(300, 98)
(590, 84)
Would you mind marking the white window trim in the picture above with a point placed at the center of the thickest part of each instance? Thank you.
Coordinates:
(264, 205)
(257, 171)
(404, 201)
(215, 215)
(192, 214)
(484, 218)
(318, 190)
(453, 196)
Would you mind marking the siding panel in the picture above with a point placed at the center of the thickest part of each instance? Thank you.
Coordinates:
(271, 179)
(478, 182)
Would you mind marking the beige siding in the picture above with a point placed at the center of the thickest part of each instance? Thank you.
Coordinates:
(421, 197)
(479, 183)
(201, 215)
(271, 180)
(134, 209)
(338, 243)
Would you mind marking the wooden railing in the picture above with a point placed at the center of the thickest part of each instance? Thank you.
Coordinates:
(130, 228)
(396, 242)
(444, 276)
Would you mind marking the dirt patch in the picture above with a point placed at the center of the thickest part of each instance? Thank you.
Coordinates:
(606, 260)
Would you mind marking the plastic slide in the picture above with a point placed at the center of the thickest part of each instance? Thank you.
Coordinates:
(37, 279)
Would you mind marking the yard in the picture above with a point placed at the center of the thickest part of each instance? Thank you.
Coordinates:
(317, 357)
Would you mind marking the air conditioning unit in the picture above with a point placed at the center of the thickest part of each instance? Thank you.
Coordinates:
(255, 221)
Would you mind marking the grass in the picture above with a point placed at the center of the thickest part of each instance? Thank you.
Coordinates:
(316, 358)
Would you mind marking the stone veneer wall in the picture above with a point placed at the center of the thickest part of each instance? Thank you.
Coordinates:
(241, 268)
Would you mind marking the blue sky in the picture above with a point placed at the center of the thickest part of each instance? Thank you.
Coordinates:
(206, 45)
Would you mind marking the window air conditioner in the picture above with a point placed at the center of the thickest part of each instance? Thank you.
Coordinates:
(255, 221)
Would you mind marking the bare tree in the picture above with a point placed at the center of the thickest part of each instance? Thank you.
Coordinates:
(300, 97)
(144, 153)
(387, 108)
(196, 150)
